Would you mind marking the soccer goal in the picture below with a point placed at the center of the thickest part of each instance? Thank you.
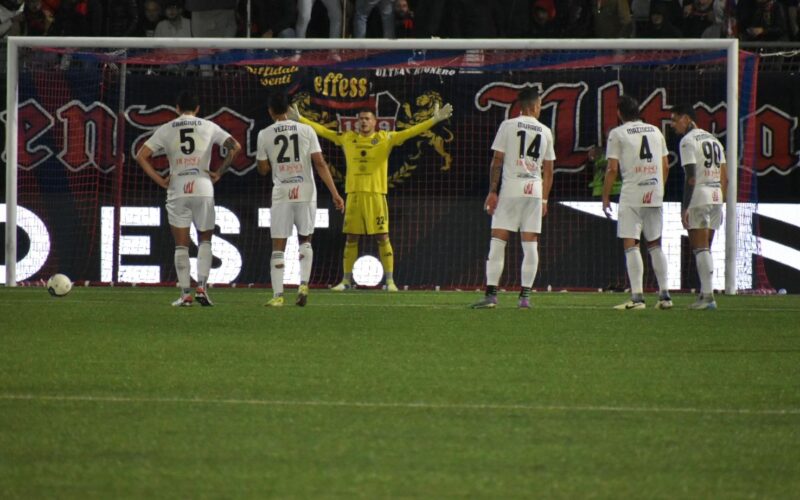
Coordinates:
(78, 110)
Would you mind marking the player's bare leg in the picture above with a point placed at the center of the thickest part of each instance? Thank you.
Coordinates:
(494, 268)
(204, 258)
(276, 271)
(700, 241)
(182, 241)
(635, 265)
(306, 259)
(349, 260)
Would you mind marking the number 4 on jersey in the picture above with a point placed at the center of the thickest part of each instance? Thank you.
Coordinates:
(644, 150)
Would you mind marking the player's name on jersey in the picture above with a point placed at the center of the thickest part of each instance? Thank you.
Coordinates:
(186, 123)
(529, 126)
(286, 128)
(639, 130)
(704, 137)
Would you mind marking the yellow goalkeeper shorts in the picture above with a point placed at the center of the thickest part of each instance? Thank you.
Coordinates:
(366, 213)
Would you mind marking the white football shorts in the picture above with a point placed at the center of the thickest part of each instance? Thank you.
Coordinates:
(633, 222)
(523, 214)
(181, 212)
(705, 217)
(285, 215)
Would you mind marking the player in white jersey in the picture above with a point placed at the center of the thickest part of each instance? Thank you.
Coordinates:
(523, 157)
(638, 151)
(288, 148)
(703, 159)
(187, 141)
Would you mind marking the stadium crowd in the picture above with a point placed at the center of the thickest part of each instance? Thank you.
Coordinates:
(750, 20)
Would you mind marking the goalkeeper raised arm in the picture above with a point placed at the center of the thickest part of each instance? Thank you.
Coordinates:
(366, 154)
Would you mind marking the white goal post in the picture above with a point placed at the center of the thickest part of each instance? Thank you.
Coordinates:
(730, 46)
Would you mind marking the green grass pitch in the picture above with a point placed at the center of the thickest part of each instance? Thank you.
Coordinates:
(112, 393)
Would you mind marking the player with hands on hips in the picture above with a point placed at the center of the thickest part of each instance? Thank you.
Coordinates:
(188, 143)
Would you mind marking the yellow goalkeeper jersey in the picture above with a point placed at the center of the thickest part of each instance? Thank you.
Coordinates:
(367, 157)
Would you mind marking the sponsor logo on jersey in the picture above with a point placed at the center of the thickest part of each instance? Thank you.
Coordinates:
(191, 171)
(188, 188)
(647, 198)
(292, 180)
(648, 182)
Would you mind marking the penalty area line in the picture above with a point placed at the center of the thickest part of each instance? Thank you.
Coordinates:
(410, 406)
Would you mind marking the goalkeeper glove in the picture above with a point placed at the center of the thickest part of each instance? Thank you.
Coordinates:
(293, 113)
(443, 113)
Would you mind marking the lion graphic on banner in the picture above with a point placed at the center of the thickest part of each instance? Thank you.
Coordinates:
(425, 105)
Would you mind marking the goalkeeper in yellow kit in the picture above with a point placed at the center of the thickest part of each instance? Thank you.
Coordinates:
(366, 155)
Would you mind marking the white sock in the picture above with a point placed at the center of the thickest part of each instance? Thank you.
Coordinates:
(659, 261)
(633, 259)
(203, 262)
(182, 268)
(306, 258)
(276, 265)
(530, 262)
(495, 261)
(705, 270)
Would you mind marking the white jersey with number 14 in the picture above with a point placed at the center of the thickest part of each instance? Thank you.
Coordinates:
(525, 144)
(639, 147)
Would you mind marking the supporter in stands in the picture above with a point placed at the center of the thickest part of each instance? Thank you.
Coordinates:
(120, 17)
(213, 18)
(11, 17)
(78, 18)
(658, 26)
(152, 16)
(791, 8)
(698, 16)
(762, 20)
(612, 18)
(543, 26)
(574, 18)
(403, 20)
(36, 20)
(276, 18)
(334, 8)
(363, 8)
(174, 25)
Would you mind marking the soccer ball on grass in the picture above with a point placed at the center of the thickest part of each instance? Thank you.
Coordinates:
(59, 285)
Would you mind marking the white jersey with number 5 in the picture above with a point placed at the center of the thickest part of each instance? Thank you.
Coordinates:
(525, 143)
(708, 155)
(187, 142)
(639, 147)
(288, 146)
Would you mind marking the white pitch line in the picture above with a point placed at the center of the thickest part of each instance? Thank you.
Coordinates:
(417, 406)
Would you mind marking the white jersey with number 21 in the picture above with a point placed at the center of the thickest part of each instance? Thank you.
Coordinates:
(288, 146)
(187, 142)
(639, 147)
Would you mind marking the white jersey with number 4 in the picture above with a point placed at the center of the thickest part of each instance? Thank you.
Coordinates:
(525, 144)
(708, 155)
(187, 142)
(288, 146)
(639, 147)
